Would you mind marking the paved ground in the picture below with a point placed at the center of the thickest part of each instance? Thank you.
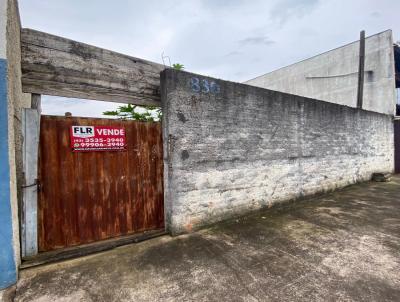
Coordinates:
(343, 246)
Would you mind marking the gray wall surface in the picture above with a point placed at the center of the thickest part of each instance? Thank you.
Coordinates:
(232, 148)
(12, 100)
(333, 75)
(17, 101)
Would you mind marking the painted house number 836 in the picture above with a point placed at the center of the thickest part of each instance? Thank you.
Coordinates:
(204, 86)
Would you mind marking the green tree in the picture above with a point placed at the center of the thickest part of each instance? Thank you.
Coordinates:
(137, 113)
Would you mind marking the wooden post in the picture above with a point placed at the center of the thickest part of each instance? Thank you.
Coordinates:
(361, 67)
(30, 129)
(36, 102)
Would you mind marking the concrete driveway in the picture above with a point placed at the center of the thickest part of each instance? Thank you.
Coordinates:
(343, 246)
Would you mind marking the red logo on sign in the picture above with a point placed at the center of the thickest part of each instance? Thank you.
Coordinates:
(97, 138)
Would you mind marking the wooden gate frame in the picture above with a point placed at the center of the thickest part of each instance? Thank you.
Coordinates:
(30, 148)
(53, 65)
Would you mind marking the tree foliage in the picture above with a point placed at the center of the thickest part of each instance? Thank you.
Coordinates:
(137, 113)
(178, 66)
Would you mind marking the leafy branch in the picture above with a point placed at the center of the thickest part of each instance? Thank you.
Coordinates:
(178, 66)
(137, 113)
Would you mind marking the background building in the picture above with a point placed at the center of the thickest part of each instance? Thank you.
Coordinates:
(333, 76)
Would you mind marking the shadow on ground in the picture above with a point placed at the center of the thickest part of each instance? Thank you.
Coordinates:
(342, 246)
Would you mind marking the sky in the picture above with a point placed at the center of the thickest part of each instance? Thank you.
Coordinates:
(233, 40)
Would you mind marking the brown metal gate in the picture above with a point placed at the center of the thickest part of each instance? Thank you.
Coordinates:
(90, 196)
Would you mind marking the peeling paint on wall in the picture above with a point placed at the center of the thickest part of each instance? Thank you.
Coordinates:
(8, 273)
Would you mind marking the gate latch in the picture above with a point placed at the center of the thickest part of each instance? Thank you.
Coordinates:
(35, 183)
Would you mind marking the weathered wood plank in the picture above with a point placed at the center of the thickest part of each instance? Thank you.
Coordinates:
(36, 102)
(89, 92)
(30, 121)
(58, 66)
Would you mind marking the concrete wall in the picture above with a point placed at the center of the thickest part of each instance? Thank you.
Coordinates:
(233, 148)
(11, 101)
(8, 273)
(333, 75)
(17, 101)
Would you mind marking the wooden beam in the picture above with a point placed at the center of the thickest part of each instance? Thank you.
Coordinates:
(361, 67)
(53, 65)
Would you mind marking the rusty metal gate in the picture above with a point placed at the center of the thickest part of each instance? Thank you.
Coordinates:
(90, 196)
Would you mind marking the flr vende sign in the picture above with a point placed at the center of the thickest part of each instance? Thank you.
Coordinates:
(97, 138)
